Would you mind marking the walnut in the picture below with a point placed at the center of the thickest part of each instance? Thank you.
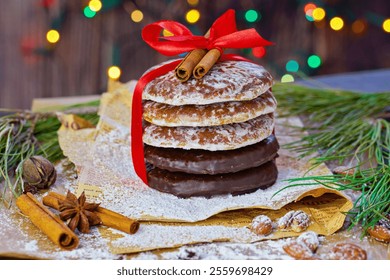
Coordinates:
(262, 225)
(310, 240)
(347, 251)
(298, 251)
(297, 221)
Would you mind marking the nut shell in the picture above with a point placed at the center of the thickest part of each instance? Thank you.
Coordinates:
(310, 240)
(380, 233)
(348, 251)
(298, 251)
(262, 225)
(296, 221)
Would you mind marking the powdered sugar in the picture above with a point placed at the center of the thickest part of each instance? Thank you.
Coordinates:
(215, 138)
(208, 115)
(226, 81)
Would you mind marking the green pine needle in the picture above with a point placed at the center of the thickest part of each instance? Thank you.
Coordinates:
(24, 134)
(344, 127)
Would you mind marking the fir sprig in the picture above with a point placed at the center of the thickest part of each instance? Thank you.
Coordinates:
(344, 126)
(24, 134)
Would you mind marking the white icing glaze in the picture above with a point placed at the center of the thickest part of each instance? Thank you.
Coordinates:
(209, 115)
(213, 138)
(226, 81)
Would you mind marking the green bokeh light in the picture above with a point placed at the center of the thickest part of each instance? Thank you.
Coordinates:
(314, 61)
(292, 66)
(88, 12)
(252, 15)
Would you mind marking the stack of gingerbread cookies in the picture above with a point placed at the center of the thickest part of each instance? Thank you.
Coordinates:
(211, 136)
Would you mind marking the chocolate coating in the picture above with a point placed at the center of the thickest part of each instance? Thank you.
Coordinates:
(212, 162)
(187, 185)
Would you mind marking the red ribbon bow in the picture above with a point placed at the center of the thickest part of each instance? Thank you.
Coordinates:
(223, 34)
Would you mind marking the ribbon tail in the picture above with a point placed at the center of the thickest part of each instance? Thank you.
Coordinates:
(137, 145)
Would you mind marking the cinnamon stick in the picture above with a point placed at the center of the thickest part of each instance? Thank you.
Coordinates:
(184, 70)
(206, 63)
(47, 222)
(109, 218)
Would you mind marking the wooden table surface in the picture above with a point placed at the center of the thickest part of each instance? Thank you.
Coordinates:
(368, 81)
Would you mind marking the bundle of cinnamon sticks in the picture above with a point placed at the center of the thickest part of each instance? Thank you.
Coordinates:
(56, 230)
(198, 62)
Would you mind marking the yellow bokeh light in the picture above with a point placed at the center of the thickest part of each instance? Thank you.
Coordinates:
(114, 72)
(95, 5)
(53, 36)
(386, 25)
(193, 2)
(167, 33)
(137, 16)
(192, 16)
(336, 23)
(287, 78)
(318, 14)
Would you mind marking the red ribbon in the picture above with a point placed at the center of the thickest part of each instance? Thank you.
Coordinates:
(223, 34)
(137, 145)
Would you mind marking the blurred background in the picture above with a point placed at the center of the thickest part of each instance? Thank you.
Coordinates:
(51, 48)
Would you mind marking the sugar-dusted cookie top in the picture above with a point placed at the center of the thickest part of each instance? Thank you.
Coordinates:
(226, 81)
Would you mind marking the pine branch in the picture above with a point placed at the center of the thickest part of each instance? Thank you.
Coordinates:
(344, 126)
(24, 134)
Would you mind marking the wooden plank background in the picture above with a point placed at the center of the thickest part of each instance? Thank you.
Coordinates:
(78, 63)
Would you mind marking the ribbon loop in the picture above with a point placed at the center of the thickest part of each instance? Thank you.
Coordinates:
(223, 34)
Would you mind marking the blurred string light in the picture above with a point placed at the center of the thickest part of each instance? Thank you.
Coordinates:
(287, 78)
(318, 14)
(386, 25)
(314, 61)
(52, 36)
(258, 52)
(192, 16)
(336, 23)
(114, 72)
(95, 5)
(358, 26)
(292, 66)
(252, 15)
(167, 33)
(88, 13)
(193, 2)
(308, 9)
(137, 16)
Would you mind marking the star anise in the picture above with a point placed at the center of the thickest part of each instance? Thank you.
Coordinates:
(80, 212)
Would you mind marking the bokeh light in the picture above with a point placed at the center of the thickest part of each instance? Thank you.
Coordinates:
(308, 7)
(114, 72)
(167, 33)
(259, 52)
(192, 16)
(318, 14)
(137, 16)
(292, 66)
(314, 61)
(386, 25)
(358, 26)
(251, 15)
(88, 12)
(287, 78)
(53, 36)
(193, 2)
(95, 5)
(336, 23)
